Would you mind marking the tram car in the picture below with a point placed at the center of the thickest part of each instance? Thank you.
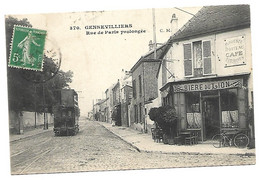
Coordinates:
(66, 112)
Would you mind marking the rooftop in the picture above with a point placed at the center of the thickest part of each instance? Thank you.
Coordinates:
(213, 19)
(149, 57)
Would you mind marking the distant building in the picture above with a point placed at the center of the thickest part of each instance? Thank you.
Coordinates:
(127, 94)
(109, 104)
(99, 110)
(116, 94)
(116, 110)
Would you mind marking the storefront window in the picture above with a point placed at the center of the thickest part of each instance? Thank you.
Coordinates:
(229, 108)
(193, 102)
(193, 110)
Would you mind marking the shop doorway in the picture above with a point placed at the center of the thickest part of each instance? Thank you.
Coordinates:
(211, 119)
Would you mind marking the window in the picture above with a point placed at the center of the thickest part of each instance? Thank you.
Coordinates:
(140, 85)
(168, 100)
(193, 102)
(197, 58)
(135, 113)
(164, 103)
(134, 89)
(229, 108)
(140, 113)
(130, 95)
(229, 100)
(194, 117)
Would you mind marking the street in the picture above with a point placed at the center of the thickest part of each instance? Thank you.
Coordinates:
(95, 148)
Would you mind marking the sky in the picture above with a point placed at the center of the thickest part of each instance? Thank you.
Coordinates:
(97, 59)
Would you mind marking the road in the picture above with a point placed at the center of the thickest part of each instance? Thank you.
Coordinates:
(95, 148)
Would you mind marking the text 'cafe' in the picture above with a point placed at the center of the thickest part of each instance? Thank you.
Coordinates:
(210, 105)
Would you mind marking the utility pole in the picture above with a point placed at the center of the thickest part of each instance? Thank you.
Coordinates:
(155, 57)
(154, 34)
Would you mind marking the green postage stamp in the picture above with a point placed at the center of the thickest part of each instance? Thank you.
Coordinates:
(27, 48)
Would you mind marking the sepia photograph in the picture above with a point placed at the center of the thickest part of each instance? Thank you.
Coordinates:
(130, 89)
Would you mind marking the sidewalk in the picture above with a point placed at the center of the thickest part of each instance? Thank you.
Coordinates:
(144, 143)
(29, 133)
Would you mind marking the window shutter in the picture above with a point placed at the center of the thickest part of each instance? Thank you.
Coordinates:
(187, 59)
(140, 85)
(207, 57)
(134, 89)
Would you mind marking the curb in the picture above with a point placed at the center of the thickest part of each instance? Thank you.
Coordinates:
(135, 147)
(198, 153)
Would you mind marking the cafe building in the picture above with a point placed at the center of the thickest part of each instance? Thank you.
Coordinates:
(206, 73)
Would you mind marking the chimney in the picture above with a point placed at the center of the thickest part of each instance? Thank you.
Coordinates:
(174, 24)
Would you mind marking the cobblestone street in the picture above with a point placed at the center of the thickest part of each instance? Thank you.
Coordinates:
(95, 148)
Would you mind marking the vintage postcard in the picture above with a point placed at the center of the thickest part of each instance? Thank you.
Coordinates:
(130, 89)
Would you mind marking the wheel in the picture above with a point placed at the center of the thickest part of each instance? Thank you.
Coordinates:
(218, 141)
(241, 140)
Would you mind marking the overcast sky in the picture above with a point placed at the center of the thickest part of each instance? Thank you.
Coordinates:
(97, 60)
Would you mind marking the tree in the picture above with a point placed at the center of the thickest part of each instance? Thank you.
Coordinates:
(166, 118)
(19, 90)
(9, 25)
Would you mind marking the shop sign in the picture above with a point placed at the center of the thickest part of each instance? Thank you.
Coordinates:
(234, 51)
(208, 86)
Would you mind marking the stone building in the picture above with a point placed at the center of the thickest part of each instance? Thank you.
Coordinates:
(145, 87)
(109, 104)
(127, 94)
